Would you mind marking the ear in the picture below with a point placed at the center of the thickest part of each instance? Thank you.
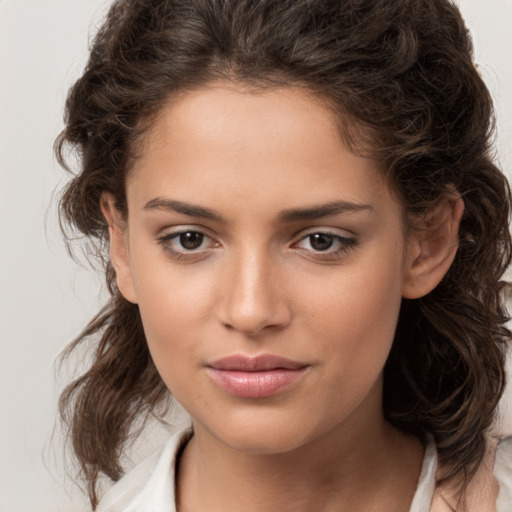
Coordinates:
(118, 246)
(432, 246)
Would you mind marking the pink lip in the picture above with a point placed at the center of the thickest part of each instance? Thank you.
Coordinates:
(255, 377)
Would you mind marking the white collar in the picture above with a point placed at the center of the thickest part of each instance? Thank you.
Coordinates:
(150, 486)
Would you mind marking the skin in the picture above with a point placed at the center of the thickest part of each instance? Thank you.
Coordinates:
(257, 284)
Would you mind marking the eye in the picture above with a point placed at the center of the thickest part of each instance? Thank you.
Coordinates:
(187, 242)
(190, 240)
(325, 243)
(320, 241)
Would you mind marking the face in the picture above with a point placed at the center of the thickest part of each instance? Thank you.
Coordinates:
(268, 263)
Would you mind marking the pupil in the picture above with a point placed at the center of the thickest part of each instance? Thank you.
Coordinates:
(191, 240)
(321, 241)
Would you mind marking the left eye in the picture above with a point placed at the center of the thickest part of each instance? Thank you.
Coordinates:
(325, 242)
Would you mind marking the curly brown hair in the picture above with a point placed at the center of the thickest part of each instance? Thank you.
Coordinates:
(400, 70)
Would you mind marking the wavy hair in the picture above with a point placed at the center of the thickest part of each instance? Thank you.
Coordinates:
(399, 70)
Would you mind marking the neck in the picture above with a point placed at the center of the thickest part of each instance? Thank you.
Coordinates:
(374, 469)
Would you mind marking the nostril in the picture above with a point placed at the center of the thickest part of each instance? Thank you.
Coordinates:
(253, 323)
(251, 301)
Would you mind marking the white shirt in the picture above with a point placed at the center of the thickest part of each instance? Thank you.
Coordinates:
(149, 487)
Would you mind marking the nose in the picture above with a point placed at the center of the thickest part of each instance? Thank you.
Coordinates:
(253, 295)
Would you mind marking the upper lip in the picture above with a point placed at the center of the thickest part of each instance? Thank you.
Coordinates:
(255, 364)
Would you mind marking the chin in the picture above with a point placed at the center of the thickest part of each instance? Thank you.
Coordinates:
(261, 433)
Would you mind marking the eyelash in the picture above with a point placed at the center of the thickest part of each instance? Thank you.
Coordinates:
(167, 241)
(342, 245)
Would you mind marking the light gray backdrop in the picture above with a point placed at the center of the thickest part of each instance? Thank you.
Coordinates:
(44, 297)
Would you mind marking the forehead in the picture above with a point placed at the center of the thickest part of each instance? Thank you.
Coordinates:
(247, 117)
(274, 148)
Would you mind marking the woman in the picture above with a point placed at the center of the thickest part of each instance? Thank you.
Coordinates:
(303, 235)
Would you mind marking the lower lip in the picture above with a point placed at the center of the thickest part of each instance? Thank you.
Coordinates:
(255, 384)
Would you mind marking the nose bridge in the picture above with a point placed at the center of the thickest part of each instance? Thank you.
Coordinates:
(253, 298)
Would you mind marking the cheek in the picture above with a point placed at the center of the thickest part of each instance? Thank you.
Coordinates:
(354, 314)
(352, 323)
(176, 307)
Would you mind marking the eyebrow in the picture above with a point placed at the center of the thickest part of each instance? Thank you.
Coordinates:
(188, 209)
(323, 210)
(290, 215)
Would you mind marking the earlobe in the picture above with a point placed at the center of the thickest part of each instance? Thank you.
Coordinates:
(432, 247)
(118, 247)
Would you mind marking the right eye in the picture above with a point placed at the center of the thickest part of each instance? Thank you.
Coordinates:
(190, 240)
(187, 242)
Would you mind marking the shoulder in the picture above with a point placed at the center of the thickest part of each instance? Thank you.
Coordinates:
(503, 474)
(490, 490)
(152, 478)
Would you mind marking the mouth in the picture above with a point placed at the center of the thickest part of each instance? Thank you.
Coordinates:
(255, 377)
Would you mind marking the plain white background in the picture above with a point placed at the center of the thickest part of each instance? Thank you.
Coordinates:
(44, 297)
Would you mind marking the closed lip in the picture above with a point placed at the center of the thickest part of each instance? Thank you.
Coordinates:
(262, 363)
(255, 377)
